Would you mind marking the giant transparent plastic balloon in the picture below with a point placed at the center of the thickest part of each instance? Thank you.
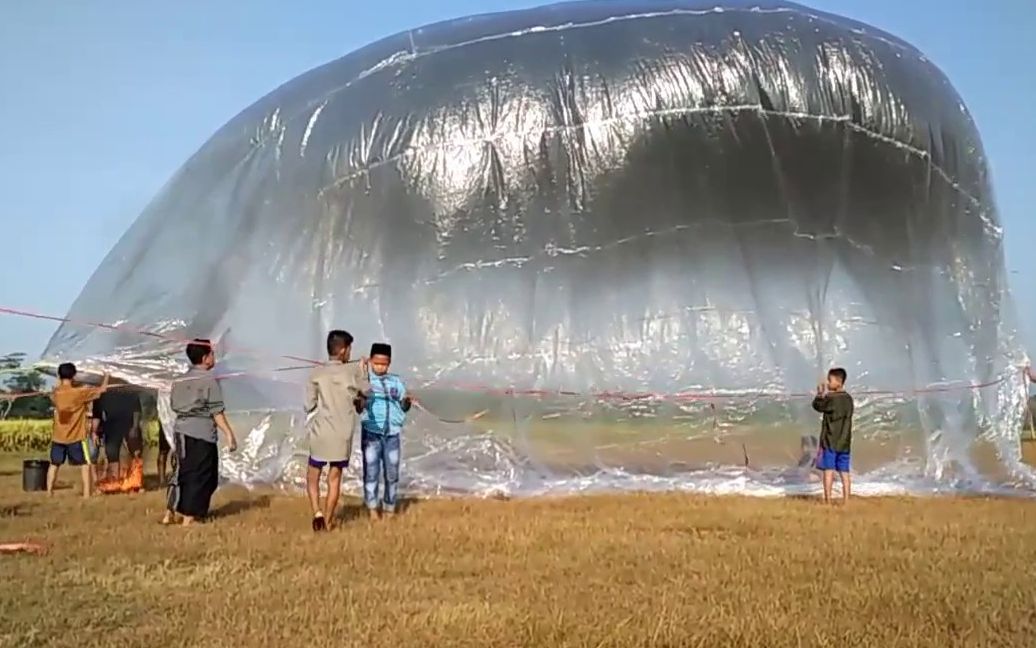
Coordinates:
(634, 234)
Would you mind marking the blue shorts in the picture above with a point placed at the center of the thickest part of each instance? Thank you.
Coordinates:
(317, 463)
(76, 454)
(831, 460)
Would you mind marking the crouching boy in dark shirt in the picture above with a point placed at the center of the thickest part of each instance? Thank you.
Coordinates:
(836, 432)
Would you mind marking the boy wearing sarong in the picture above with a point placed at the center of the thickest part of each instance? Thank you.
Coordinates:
(197, 400)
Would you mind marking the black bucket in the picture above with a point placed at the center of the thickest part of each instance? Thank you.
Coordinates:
(34, 475)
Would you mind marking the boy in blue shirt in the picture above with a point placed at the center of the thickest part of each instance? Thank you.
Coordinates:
(384, 413)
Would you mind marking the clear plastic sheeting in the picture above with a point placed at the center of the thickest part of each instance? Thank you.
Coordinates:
(635, 234)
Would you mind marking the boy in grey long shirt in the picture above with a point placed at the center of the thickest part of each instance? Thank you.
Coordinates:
(334, 395)
(197, 400)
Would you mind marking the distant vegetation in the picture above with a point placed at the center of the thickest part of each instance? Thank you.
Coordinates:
(17, 378)
(33, 435)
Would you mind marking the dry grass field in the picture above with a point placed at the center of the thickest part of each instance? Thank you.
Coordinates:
(634, 570)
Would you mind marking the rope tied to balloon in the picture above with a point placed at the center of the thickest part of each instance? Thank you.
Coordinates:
(710, 397)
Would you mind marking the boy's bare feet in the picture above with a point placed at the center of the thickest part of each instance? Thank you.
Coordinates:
(168, 518)
(187, 521)
(372, 514)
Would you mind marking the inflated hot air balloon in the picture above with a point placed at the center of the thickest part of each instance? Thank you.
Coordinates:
(635, 233)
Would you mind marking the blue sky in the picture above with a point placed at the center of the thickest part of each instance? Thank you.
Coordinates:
(101, 101)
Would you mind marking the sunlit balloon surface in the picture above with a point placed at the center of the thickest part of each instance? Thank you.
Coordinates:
(679, 213)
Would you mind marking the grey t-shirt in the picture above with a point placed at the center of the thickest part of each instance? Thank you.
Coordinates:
(196, 399)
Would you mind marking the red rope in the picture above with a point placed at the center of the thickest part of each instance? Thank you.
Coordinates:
(123, 328)
(607, 395)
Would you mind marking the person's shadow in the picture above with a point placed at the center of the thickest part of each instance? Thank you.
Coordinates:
(407, 503)
(353, 510)
(350, 511)
(240, 506)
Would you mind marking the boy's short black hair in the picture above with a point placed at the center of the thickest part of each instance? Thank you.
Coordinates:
(838, 373)
(66, 371)
(197, 349)
(382, 349)
(338, 341)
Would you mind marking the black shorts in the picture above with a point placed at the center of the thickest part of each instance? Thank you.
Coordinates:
(115, 434)
(163, 443)
(112, 439)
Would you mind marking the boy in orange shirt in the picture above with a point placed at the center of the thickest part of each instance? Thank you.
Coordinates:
(71, 405)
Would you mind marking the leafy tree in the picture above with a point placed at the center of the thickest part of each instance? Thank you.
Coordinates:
(16, 378)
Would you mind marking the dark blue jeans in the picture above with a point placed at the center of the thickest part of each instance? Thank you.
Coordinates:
(381, 457)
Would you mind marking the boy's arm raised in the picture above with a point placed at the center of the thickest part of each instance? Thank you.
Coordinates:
(89, 394)
(363, 380)
(821, 403)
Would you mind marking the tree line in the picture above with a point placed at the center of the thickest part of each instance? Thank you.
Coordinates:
(17, 378)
